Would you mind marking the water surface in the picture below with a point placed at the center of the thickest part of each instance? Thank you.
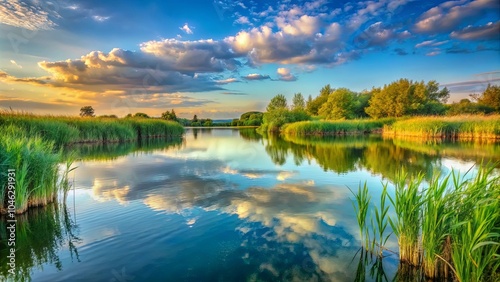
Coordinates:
(223, 205)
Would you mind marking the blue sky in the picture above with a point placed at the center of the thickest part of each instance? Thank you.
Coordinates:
(221, 58)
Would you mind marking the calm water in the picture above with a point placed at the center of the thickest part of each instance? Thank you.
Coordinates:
(222, 205)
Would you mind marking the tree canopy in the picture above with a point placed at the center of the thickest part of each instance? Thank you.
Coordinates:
(87, 111)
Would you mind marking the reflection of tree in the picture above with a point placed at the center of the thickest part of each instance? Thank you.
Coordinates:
(195, 133)
(110, 151)
(347, 153)
(250, 134)
(40, 233)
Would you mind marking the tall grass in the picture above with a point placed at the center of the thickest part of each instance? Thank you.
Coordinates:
(462, 127)
(407, 202)
(64, 130)
(32, 146)
(451, 228)
(343, 127)
(36, 167)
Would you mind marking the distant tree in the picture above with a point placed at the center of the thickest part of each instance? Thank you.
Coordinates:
(298, 102)
(108, 116)
(195, 119)
(87, 111)
(169, 115)
(490, 97)
(465, 106)
(277, 102)
(141, 115)
(208, 122)
(340, 105)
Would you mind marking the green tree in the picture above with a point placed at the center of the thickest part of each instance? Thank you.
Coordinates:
(434, 94)
(141, 115)
(195, 119)
(169, 115)
(87, 111)
(277, 102)
(313, 105)
(361, 103)
(298, 102)
(340, 105)
(491, 97)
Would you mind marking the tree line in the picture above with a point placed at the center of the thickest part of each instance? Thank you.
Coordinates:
(403, 97)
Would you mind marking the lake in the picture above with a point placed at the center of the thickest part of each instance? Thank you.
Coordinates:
(223, 205)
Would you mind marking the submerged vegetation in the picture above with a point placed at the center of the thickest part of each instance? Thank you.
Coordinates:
(32, 146)
(449, 227)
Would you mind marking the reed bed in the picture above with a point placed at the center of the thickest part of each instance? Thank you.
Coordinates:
(64, 130)
(36, 166)
(449, 228)
(457, 127)
(32, 146)
(341, 127)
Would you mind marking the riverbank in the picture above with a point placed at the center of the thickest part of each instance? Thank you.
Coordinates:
(473, 127)
(31, 149)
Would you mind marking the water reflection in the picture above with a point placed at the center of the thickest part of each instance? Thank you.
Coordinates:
(381, 156)
(40, 234)
(230, 205)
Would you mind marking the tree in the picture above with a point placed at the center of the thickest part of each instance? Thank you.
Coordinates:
(406, 97)
(491, 97)
(277, 102)
(195, 119)
(340, 105)
(87, 111)
(434, 94)
(141, 115)
(298, 102)
(312, 106)
(169, 115)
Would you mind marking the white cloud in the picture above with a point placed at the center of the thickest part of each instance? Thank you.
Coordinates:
(37, 15)
(448, 15)
(16, 64)
(100, 18)
(285, 75)
(186, 29)
(243, 20)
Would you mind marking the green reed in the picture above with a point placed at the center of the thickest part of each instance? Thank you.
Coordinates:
(342, 127)
(470, 127)
(407, 203)
(361, 207)
(451, 228)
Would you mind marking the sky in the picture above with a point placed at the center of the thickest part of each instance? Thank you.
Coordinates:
(219, 59)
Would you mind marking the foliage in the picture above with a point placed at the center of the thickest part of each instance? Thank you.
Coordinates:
(340, 105)
(299, 103)
(167, 115)
(141, 115)
(465, 106)
(278, 102)
(490, 98)
(406, 97)
(313, 105)
(87, 111)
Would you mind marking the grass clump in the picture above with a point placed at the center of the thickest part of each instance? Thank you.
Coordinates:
(341, 127)
(450, 228)
(457, 127)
